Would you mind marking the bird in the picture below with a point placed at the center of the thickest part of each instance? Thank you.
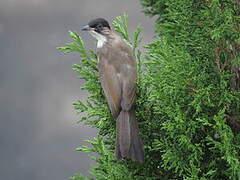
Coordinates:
(118, 77)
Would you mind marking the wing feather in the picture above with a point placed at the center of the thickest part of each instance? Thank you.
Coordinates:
(118, 75)
(111, 87)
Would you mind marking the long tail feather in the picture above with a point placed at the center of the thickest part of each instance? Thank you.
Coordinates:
(128, 142)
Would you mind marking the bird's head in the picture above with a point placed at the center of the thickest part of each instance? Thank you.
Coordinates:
(98, 28)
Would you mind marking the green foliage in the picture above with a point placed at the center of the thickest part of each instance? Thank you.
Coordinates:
(95, 110)
(185, 98)
(190, 71)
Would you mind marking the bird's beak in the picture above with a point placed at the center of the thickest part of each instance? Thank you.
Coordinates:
(86, 28)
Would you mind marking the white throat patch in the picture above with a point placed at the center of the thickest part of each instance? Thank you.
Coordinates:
(101, 40)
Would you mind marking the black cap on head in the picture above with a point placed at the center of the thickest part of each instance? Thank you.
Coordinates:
(98, 23)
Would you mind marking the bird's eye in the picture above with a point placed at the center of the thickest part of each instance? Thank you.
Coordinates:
(99, 26)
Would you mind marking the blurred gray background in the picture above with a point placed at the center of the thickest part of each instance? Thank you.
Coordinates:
(38, 130)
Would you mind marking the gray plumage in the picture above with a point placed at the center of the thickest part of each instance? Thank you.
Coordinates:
(118, 77)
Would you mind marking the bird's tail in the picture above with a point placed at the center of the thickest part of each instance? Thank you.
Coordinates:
(128, 143)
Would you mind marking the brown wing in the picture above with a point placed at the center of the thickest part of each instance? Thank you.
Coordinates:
(128, 80)
(128, 77)
(111, 87)
(118, 75)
